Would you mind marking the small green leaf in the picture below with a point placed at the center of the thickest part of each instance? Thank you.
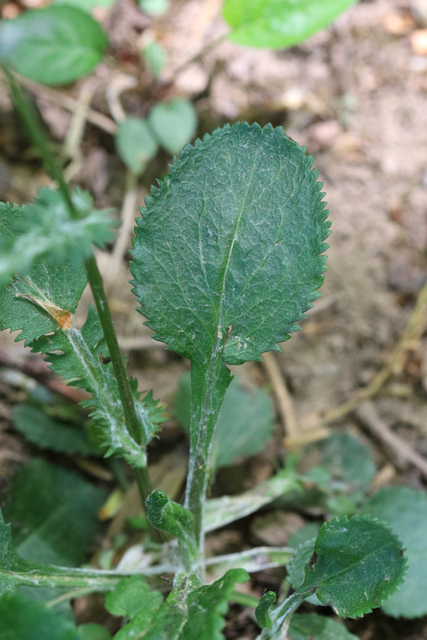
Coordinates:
(155, 58)
(53, 514)
(92, 632)
(46, 433)
(154, 7)
(169, 516)
(307, 626)
(263, 608)
(86, 5)
(357, 563)
(135, 144)
(131, 596)
(245, 421)
(25, 619)
(277, 24)
(226, 255)
(297, 564)
(173, 123)
(55, 45)
(405, 511)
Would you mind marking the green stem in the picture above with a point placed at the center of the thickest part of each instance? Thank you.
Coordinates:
(38, 138)
(208, 386)
(281, 617)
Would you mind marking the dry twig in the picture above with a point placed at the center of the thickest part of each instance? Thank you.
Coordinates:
(283, 396)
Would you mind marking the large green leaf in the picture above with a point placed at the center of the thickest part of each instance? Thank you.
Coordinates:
(310, 626)
(405, 510)
(245, 421)
(277, 24)
(226, 254)
(55, 45)
(25, 619)
(53, 514)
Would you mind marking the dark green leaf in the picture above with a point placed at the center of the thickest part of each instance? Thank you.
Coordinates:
(310, 626)
(131, 596)
(245, 421)
(25, 619)
(135, 144)
(227, 251)
(53, 514)
(55, 45)
(171, 517)
(277, 24)
(46, 433)
(405, 511)
(92, 632)
(296, 567)
(263, 608)
(173, 123)
(357, 563)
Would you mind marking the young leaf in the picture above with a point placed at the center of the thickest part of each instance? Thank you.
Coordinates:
(55, 45)
(52, 512)
(44, 228)
(46, 433)
(173, 123)
(169, 516)
(135, 144)
(134, 599)
(25, 619)
(405, 511)
(245, 421)
(305, 626)
(263, 608)
(357, 563)
(222, 511)
(277, 24)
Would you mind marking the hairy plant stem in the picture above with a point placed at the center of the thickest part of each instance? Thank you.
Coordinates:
(281, 617)
(208, 386)
(39, 140)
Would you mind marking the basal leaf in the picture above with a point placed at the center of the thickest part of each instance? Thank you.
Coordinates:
(226, 255)
(405, 511)
(55, 45)
(46, 433)
(135, 143)
(245, 421)
(307, 626)
(173, 123)
(53, 514)
(277, 24)
(357, 563)
(25, 619)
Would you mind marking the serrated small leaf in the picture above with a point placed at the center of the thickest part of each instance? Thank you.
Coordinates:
(405, 511)
(277, 24)
(173, 123)
(135, 144)
(357, 563)
(46, 433)
(169, 516)
(307, 626)
(245, 421)
(263, 608)
(55, 45)
(226, 255)
(25, 619)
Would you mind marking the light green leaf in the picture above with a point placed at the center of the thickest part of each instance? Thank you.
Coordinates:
(46, 433)
(227, 251)
(169, 516)
(53, 514)
(306, 626)
(357, 563)
(245, 421)
(262, 611)
(155, 58)
(25, 619)
(405, 511)
(44, 228)
(277, 24)
(135, 144)
(222, 511)
(55, 45)
(92, 632)
(154, 7)
(86, 5)
(173, 123)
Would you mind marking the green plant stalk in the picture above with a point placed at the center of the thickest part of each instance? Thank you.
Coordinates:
(208, 386)
(281, 616)
(38, 138)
